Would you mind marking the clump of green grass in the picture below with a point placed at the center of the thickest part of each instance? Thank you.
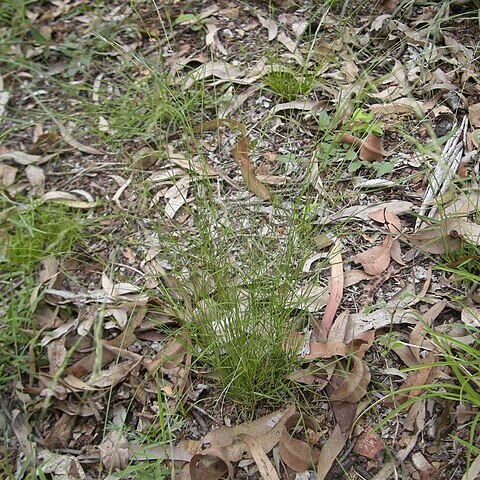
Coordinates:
(35, 230)
(289, 85)
(30, 232)
(149, 108)
(238, 303)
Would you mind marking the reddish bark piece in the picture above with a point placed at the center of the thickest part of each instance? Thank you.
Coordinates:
(369, 444)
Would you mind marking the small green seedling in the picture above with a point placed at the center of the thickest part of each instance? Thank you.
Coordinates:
(364, 123)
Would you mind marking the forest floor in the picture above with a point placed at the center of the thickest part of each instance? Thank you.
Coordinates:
(239, 239)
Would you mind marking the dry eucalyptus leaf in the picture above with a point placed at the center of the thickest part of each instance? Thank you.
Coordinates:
(466, 229)
(267, 429)
(377, 259)
(4, 97)
(265, 466)
(474, 115)
(382, 215)
(176, 197)
(67, 199)
(220, 70)
(362, 212)
(61, 467)
(330, 452)
(7, 175)
(77, 145)
(471, 316)
(350, 386)
(112, 376)
(114, 451)
(336, 288)
(210, 464)
(21, 158)
(270, 25)
(298, 454)
(36, 178)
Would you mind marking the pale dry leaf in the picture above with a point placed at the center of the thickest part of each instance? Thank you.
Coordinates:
(21, 158)
(265, 466)
(287, 42)
(114, 451)
(376, 259)
(66, 135)
(66, 199)
(212, 40)
(22, 430)
(464, 228)
(412, 386)
(221, 70)
(473, 471)
(474, 115)
(4, 97)
(311, 297)
(351, 70)
(272, 179)
(103, 125)
(304, 105)
(56, 354)
(267, 429)
(176, 197)
(326, 349)
(363, 322)
(112, 376)
(434, 239)
(464, 204)
(307, 266)
(396, 252)
(190, 164)
(403, 106)
(350, 386)
(270, 25)
(471, 316)
(7, 175)
(61, 467)
(382, 215)
(161, 452)
(354, 276)
(119, 192)
(210, 464)
(361, 212)
(36, 178)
